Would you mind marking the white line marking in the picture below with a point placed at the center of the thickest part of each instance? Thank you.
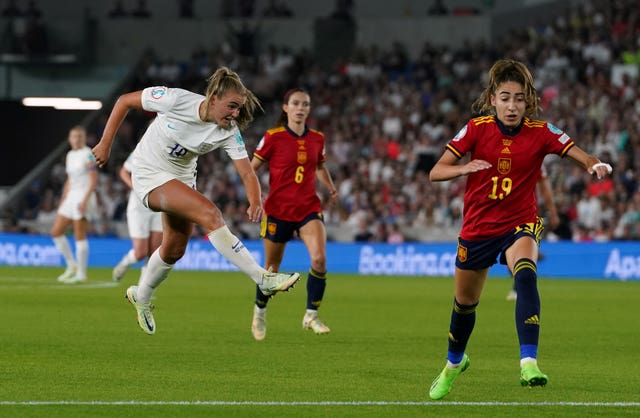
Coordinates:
(49, 283)
(323, 403)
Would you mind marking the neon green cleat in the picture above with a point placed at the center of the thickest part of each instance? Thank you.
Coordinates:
(143, 310)
(530, 375)
(442, 384)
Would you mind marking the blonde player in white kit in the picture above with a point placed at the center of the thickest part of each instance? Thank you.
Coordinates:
(144, 224)
(164, 176)
(78, 205)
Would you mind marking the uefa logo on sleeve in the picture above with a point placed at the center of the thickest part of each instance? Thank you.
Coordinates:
(158, 92)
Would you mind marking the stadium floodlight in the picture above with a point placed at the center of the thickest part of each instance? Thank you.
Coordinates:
(63, 103)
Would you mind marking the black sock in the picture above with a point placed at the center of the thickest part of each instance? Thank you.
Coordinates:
(527, 307)
(463, 319)
(261, 299)
(316, 283)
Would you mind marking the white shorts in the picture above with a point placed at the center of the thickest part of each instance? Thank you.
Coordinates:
(69, 207)
(146, 179)
(142, 222)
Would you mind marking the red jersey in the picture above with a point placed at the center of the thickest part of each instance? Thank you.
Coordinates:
(502, 197)
(292, 163)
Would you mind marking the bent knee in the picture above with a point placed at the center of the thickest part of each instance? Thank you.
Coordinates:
(211, 219)
(319, 262)
(171, 255)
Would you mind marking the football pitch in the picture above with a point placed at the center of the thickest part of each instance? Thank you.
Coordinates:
(76, 350)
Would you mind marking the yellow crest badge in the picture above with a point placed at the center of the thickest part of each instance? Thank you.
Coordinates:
(302, 157)
(271, 227)
(504, 165)
(462, 253)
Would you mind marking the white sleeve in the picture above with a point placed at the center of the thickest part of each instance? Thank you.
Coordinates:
(158, 99)
(234, 146)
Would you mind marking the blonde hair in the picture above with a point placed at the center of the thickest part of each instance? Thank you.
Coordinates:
(508, 70)
(224, 80)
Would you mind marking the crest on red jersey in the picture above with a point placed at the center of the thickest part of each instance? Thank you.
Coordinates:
(504, 165)
(302, 157)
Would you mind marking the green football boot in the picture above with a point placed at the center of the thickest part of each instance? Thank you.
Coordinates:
(442, 384)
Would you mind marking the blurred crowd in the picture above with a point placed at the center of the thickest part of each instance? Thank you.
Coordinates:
(387, 116)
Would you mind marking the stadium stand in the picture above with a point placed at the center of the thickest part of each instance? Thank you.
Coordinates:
(388, 111)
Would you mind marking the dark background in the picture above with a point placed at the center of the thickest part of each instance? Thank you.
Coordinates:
(29, 135)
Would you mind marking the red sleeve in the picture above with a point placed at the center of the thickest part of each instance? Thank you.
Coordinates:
(264, 149)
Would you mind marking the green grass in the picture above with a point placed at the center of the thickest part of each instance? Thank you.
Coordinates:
(81, 344)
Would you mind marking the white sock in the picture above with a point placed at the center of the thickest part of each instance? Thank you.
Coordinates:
(82, 252)
(451, 365)
(234, 250)
(155, 273)
(528, 360)
(129, 258)
(143, 270)
(62, 244)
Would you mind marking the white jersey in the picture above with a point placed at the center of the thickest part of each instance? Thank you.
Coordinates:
(78, 164)
(170, 147)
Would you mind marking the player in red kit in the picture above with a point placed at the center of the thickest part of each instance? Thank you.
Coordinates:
(295, 156)
(506, 148)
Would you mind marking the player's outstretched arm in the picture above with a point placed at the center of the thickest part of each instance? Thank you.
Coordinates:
(127, 101)
(590, 163)
(447, 167)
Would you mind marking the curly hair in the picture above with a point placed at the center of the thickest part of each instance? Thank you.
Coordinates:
(503, 71)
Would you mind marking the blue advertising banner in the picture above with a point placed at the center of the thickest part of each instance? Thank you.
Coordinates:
(611, 261)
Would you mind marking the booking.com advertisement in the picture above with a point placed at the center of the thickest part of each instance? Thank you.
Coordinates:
(610, 261)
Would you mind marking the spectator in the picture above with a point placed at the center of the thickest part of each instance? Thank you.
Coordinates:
(395, 234)
(363, 234)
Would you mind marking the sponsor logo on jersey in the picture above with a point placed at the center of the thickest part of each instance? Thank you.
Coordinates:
(158, 92)
(504, 165)
(564, 138)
